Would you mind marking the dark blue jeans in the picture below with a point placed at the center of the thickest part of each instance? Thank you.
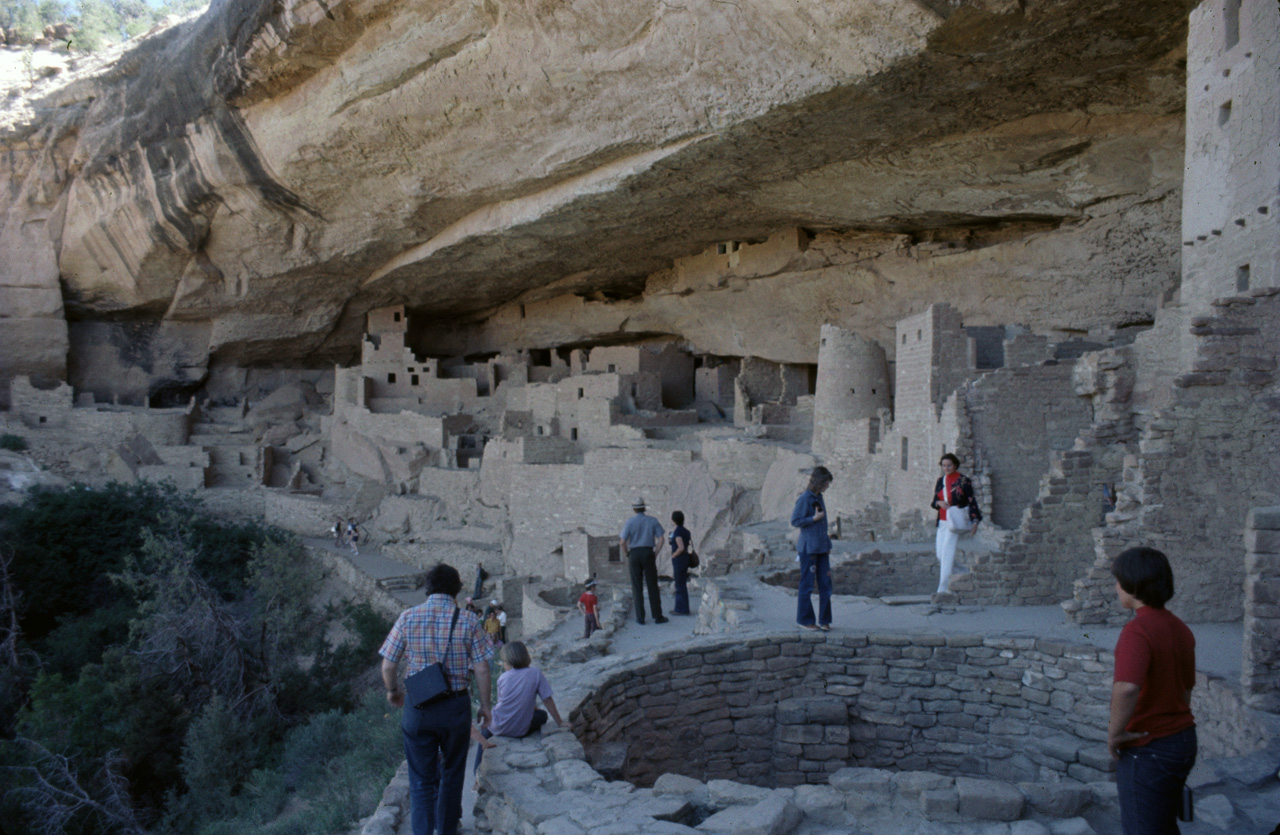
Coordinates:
(644, 575)
(680, 568)
(435, 744)
(1150, 778)
(814, 568)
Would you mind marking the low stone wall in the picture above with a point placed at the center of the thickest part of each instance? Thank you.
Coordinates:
(875, 573)
(1261, 668)
(792, 710)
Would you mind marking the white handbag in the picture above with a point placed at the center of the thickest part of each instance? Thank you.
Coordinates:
(958, 519)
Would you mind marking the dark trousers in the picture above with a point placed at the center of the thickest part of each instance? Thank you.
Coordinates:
(590, 623)
(814, 568)
(1149, 779)
(644, 573)
(435, 745)
(539, 719)
(680, 568)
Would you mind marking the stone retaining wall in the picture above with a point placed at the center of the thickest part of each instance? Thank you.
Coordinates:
(876, 573)
(792, 710)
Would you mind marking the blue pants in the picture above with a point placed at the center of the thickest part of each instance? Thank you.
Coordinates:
(1150, 778)
(680, 568)
(435, 745)
(644, 574)
(814, 567)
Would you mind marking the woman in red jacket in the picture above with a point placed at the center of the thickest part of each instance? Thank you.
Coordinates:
(953, 492)
(1152, 733)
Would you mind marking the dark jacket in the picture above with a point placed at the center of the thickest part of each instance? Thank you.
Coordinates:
(961, 496)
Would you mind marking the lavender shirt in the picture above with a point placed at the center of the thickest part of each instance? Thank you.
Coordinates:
(517, 690)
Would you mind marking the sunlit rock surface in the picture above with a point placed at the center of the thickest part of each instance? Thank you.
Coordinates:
(243, 187)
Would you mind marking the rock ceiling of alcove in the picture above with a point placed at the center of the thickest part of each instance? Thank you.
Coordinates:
(269, 164)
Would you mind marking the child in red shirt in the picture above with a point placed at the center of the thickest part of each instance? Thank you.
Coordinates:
(589, 605)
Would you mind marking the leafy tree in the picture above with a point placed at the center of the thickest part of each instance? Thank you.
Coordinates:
(12, 442)
(23, 17)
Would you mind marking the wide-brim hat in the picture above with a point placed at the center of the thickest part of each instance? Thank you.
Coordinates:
(638, 504)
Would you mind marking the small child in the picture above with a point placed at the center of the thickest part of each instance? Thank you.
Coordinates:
(493, 628)
(516, 714)
(589, 605)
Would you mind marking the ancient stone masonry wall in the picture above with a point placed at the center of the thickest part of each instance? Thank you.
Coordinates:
(1231, 188)
(1260, 677)
(1202, 462)
(787, 711)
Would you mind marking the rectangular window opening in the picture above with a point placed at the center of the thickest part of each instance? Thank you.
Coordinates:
(413, 380)
(391, 377)
(395, 317)
(1242, 278)
(904, 454)
(573, 434)
(1231, 23)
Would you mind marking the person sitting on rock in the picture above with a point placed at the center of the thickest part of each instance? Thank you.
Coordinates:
(516, 713)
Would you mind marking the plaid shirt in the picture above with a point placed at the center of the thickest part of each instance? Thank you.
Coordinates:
(420, 635)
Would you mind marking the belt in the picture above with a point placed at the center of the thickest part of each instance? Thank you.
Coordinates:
(453, 694)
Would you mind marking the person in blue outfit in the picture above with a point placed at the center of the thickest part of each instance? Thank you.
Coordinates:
(680, 541)
(641, 538)
(814, 551)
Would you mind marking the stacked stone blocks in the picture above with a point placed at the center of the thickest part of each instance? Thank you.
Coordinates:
(1260, 678)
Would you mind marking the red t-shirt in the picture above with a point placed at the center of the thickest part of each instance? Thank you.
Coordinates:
(1157, 652)
(589, 602)
(943, 495)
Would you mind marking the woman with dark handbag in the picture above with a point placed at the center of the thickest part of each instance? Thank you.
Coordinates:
(681, 542)
(957, 513)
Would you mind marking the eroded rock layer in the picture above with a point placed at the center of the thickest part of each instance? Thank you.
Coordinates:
(244, 187)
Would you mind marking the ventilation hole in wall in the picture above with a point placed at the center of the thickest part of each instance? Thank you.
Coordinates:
(395, 317)
(919, 335)
(853, 391)
(823, 342)
(722, 249)
(904, 336)
(1240, 221)
(1242, 278)
(904, 453)
(873, 391)
(612, 368)
(1226, 73)
(413, 380)
(1262, 210)
(581, 393)
(573, 434)
(1231, 23)
(391, 378)
(541, 431)
(1224, 113)
(43, 418)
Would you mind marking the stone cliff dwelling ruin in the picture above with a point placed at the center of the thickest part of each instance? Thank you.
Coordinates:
(481, 316)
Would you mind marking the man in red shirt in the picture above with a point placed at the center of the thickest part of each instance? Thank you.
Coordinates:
(1152, 733)
(589, 605)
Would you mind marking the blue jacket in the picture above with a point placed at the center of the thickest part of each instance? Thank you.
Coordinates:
(813, 533)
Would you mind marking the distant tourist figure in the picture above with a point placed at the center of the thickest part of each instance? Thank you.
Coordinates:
(589, 605)
(1152, 733)
(436, 734)
(680, 541)
(516, 713)
(336, 530)
(814, 552)
(641, 538)
(492, 628)
(502, 623)
(353, 537)
(952, 494)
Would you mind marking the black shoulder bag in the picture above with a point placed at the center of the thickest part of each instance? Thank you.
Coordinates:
(431, 684)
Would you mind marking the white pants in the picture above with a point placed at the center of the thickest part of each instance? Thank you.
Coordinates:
(946, 544)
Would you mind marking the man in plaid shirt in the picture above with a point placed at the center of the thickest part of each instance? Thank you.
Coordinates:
(436, 735)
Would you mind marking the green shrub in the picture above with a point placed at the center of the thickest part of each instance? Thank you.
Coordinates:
(13, 443)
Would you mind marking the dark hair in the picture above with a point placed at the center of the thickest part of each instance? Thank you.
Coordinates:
(516, 654)
(443, 579)
(946, 456)
(1145, 574)
(819, 477)
(677, 516)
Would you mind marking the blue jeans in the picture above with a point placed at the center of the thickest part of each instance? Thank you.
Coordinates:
(435, 745)
(1150, 778)
(814, 566)
(680, 568)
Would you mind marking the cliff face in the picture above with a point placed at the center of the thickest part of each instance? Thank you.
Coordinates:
(243, 187)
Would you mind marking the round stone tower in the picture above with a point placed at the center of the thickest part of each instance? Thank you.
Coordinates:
(852, 383)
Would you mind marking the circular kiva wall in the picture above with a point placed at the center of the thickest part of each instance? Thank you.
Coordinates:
(793, 709)
(875, 573)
